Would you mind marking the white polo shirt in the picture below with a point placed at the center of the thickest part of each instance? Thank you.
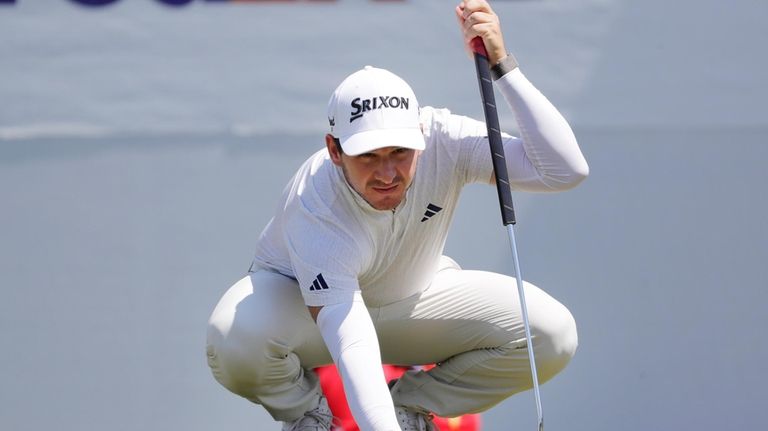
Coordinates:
(334, 243)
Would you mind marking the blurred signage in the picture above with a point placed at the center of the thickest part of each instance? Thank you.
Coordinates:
(97, 3)
(185, 2)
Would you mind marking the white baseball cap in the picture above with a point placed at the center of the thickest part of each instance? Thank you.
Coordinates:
(374, 108)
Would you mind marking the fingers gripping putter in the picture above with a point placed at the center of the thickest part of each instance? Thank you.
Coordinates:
(505, 195)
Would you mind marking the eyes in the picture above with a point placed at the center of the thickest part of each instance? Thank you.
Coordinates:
(399, 153)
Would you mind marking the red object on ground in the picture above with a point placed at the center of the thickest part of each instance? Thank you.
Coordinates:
(330, 382)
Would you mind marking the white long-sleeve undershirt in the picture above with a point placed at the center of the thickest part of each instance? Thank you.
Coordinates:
(549, 158)
(351, 339)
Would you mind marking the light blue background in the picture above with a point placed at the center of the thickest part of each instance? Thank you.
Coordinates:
(142, 149)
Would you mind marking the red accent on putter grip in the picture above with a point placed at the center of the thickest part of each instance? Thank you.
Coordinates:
(478, 46)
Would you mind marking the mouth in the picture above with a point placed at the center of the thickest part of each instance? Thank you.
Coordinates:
(386, 189)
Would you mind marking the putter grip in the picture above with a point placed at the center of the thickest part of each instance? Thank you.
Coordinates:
(494, 132)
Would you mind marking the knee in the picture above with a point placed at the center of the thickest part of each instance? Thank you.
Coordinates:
(236, 346)
(254, 333)
(243, 360)
(555, 342)
(227, 357)
(247, 353)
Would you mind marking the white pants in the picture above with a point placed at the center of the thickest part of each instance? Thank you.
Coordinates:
(262, 342)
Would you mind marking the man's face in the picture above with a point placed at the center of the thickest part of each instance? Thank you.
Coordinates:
(381, 176)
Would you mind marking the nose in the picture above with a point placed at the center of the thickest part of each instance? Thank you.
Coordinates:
(386, 172)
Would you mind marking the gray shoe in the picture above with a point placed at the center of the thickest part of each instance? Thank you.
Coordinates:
(317, 419)
(412, 420)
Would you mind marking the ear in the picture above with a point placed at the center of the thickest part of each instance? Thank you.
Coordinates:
(333, 150)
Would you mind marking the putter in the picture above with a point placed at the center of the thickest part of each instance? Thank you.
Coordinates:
(505, 195)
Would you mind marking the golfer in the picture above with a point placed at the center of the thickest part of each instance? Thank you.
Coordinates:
(350, 270)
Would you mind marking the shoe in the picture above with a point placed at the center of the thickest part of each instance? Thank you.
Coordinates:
(412, 420)
(317, 419)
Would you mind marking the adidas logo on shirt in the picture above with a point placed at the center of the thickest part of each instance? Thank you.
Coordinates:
(432, 209)
(319, 283)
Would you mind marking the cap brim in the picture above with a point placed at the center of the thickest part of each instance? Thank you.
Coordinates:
(370, 140)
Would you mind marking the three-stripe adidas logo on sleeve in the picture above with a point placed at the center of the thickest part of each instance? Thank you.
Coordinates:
(318, 283)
